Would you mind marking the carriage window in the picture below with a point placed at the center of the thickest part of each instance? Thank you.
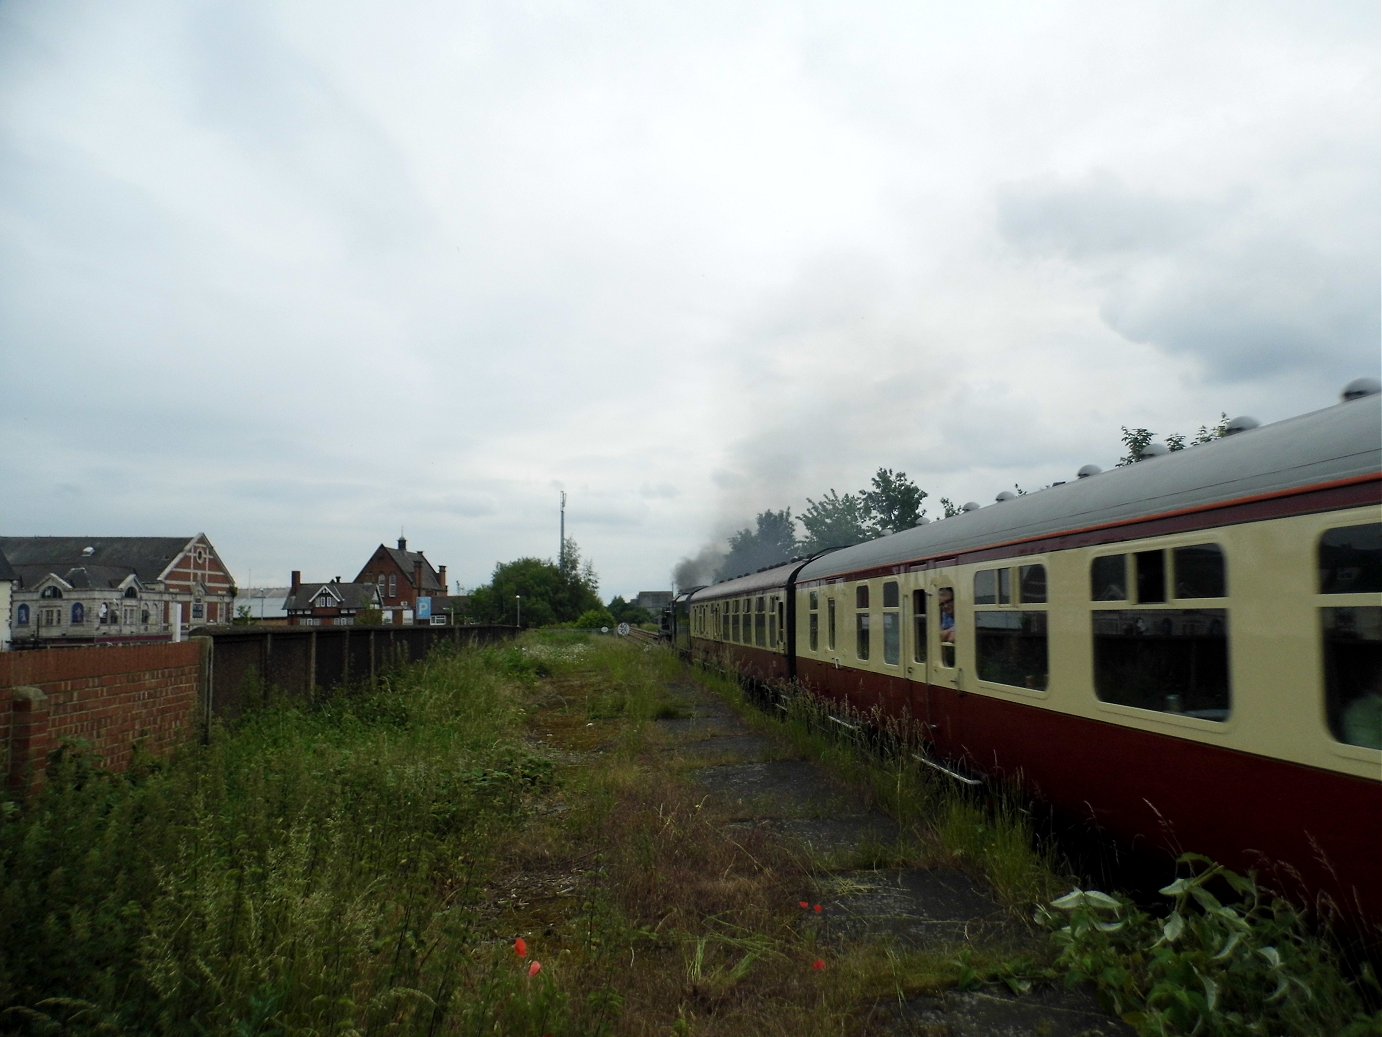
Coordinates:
(1199, 571)
(781, 620)
(892, 625)
(772, 620)
(830, 624)
(734, 621)
(1108, 579)
(1350, 574)
(760, 628)
(1164, 654)
(919, 626)
(1351, 560)
(815, 621)
(1032, 583)
(1010, 637)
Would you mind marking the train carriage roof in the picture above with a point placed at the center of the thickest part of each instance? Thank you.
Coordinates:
(1337, 444)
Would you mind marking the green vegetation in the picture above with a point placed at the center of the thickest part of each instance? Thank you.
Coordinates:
(1223, 961)
(494, 842)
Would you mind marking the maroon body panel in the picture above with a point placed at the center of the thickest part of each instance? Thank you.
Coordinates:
(1300, 828)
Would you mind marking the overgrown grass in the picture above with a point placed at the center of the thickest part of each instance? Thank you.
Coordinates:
(488, 843)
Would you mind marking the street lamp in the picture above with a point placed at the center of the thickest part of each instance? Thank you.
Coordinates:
(518, 609)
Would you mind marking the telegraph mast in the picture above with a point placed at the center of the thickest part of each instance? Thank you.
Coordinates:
(561, 549)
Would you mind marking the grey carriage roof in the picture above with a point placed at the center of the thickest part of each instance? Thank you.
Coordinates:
(1335, 444)
(753, 583)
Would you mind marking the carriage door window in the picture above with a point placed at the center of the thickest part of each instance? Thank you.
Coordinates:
(918, 626)
(892, 624)
(861, 621)
(815, 620)
(1350, 568)
(830, 624)
(781, 620)
(945, 608)
(760, 624)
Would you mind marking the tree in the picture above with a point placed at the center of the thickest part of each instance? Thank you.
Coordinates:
(544, 592)
(894, 503)
(772, 541)
(834, 521)
(627, 612)
(1136, 441)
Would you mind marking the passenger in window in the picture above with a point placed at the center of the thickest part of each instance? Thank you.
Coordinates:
(947, 603)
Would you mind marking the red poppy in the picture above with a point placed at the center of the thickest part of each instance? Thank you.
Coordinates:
(804, 905)
(818, 965)
(534, 969)
(818, 909)
(520, 947)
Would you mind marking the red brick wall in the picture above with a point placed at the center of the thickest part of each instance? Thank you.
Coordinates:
(108, 697)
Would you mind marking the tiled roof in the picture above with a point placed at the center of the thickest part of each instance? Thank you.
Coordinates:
(148, 557)
(353, 595)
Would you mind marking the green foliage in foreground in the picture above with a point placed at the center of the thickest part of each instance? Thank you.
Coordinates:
(1220, 964)
(317, 868)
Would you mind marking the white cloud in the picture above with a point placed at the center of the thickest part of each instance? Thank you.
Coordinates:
(363, 273)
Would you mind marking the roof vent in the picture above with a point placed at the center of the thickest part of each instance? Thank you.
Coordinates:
(1360, 387)
(970, 506)
(1087, 471)
(1240, 424)
(1152, 450)
(1005, 495)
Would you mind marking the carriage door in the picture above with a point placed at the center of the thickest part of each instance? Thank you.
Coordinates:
(918, 670)
(943, 698)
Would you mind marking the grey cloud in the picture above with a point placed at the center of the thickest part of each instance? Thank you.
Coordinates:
(1242, 287)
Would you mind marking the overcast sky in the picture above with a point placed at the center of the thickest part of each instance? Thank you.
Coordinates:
(303, 276)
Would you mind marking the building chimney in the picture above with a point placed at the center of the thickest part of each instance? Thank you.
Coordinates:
(441, 578)
(297, 581)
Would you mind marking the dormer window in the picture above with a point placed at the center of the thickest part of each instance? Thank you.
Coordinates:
(51, 592)
(324, 601)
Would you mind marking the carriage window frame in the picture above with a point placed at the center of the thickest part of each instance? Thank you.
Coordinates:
(1011, 627)
(919, 625)
(1159, 643)
(813, 622)
(1350, 632)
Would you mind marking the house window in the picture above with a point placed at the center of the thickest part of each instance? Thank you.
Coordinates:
(1160, 630)
(51, 592)
(50, 617)
(324, 601)
(21, 616)
(393, 585)
(78, 614)
(198, 610)
(1350, 579)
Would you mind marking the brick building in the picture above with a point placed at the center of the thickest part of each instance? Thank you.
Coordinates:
(87, 589)
(411, 589)
(333, 604)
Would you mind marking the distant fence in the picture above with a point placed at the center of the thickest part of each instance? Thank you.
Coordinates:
(162, 695)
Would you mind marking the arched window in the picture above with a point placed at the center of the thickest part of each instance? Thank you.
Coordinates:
(21, 616)
(78, 613)
(51, 592)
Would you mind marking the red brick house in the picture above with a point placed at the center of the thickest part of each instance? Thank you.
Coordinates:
(405, 578)
(90, 588)
(333, 604)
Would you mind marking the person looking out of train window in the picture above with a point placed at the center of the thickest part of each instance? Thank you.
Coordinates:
(947, 603)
